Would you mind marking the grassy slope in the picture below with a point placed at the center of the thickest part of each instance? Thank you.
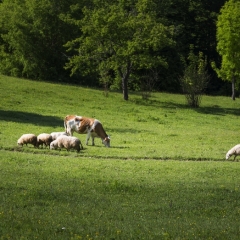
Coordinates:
(98, 194)
(161, 128)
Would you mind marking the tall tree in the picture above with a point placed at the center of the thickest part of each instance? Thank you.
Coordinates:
(228, 43)
(195, 24)
(118, 37)
(32, 37)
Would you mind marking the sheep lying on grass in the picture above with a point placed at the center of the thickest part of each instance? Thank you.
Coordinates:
(55, 135)
(27, 139)
(44, 138)
(233, 151)
(67, 142)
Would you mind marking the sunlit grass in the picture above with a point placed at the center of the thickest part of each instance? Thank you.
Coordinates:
(160, 128)
(164, 177)
(51, 197)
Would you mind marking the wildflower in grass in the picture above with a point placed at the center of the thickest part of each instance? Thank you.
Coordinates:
(76, 237)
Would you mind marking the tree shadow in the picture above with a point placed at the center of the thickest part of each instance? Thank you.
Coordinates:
(112, 130)
(32, 118)
(214, 109)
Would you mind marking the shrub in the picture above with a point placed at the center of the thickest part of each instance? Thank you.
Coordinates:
(194, 79)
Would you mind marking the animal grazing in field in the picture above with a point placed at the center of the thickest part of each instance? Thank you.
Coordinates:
(55, 135)
(84, 125)
(233, 151)
(44, 138)
(67, 142)
(27, 139)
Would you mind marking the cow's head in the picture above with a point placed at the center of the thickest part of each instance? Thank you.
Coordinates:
(106, 141)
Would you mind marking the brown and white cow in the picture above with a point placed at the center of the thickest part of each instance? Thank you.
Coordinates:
(84, 125)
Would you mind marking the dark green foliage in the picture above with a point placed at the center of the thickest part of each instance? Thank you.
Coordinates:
(195, 23)
(120, 37)
(116, 39)
(228, 47)
(32, 38)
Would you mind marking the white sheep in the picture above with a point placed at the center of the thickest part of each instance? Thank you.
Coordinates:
(55, 135)
(233, 151)
(67, 142)
(44, 138)
(27, 138)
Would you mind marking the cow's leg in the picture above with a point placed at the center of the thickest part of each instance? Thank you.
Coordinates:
(67, 131)
(70, 132)
(93, 140)
(88, 136)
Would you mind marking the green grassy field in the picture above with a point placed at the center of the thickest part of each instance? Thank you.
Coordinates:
(164, 177)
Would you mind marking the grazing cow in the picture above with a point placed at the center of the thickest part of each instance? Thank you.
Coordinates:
(84, 125)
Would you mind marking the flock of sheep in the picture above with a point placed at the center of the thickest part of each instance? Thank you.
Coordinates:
(55, 140)
(58, 140)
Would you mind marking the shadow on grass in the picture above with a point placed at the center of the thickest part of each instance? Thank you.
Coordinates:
(99, 145)
(83, 154)
(214, 109)
(111, 131)
(32, 118)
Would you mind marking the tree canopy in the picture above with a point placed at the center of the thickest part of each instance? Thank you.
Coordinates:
(119, 37)
(114, 43)
(228, 42)
(32, 38)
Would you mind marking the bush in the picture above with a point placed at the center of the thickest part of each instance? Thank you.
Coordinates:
(194, 79)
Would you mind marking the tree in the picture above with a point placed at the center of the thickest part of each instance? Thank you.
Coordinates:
(118, 37)
(194, 22)
(228, 43)
(32, 37)
(195, 78)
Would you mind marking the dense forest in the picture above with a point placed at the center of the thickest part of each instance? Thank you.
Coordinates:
(123, 44)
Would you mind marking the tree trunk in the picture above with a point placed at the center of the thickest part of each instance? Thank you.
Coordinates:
(125, 76)
(125, 88)
(233, 88)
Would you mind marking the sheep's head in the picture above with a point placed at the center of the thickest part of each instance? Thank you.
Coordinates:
(53, 145)
(228, 155)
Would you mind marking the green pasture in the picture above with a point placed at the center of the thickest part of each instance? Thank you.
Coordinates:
(164, 177)
(160, 128)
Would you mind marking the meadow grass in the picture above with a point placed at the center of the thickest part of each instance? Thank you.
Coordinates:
(164, 177)
(52, 197)
(160, 128)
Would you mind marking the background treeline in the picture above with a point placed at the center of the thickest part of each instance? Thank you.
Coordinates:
(95, 43)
